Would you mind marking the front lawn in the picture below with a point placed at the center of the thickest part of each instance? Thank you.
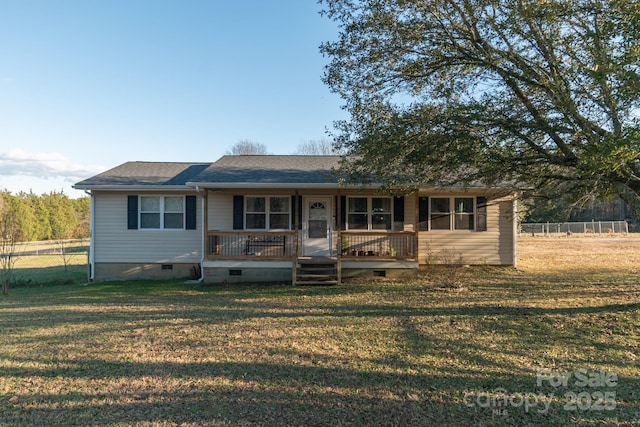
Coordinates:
(534, 346)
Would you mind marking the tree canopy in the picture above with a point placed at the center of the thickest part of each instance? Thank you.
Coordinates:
(540, 92)
(315, 147)
(51, 216)
(246, 147)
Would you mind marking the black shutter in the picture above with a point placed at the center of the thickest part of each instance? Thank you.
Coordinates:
(238, 212)
(132, 212)
(481, 214)
(190, 210)
(296, 211)
(423, 213)
(398, 208)
(343, 212)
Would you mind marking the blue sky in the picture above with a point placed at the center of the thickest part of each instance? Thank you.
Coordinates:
(86, 85)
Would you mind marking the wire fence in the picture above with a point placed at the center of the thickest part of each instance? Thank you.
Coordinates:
(52, 247)
(568, 228)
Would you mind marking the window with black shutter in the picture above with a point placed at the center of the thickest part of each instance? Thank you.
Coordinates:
(147, 212)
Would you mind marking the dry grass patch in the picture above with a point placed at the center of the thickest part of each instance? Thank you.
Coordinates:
(366, 353)
(590, 254)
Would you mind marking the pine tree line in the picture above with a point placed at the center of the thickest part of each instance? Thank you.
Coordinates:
(52, 216)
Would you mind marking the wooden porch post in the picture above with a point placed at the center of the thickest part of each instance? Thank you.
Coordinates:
(416, 226)
(205, 215)
(339, 237)
(296, 225)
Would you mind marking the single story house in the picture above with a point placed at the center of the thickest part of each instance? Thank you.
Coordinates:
(257, 218)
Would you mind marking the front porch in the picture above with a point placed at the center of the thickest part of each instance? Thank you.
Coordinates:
(279, 256)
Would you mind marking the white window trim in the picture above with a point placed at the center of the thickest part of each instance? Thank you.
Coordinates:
(161, 212)
(369, 213)
(452, 214)
(267, 212)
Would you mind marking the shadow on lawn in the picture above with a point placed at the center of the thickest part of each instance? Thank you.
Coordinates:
(312, 387)
(266, 394)
(48, 276)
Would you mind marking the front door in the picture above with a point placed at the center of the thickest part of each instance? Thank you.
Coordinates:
(317, 226)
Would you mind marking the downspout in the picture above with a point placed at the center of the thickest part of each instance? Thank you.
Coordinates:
(92, 211)
(202, 242)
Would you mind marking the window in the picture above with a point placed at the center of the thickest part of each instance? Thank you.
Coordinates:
(440, 211)
(267, 213)
(279, 213)
(358, 216)
(173, 212)
(150, 212)
(256, 212)
(463, 208)
(158, 212)
(369, 213)
(381, 213)
(452, 213)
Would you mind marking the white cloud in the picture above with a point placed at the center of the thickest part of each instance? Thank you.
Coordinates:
(44, 166)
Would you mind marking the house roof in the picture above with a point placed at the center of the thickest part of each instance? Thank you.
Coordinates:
(144, 174)
(231, 171)
(269, 171)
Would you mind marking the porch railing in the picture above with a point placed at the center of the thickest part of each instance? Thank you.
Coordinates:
(284, 244)
(388, 244)
(265, 244)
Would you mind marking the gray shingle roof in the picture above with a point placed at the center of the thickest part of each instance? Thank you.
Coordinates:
(228, 170)
(270, 169)
(145, 174)
(243, 171)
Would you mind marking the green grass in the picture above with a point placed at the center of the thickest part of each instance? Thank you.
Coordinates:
(48, 270)
(416, 352)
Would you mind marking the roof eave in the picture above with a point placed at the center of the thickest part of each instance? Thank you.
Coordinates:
(133, 187)
(269, 185)
(190, 186)
(468, 188)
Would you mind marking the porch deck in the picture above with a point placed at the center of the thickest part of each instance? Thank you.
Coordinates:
(269, 251)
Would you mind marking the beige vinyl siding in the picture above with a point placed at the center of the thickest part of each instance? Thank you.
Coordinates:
(220, 211)
(113, 242)
(409, 212)
(492, 247)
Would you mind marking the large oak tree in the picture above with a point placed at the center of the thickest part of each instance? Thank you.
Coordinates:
(540, 92)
